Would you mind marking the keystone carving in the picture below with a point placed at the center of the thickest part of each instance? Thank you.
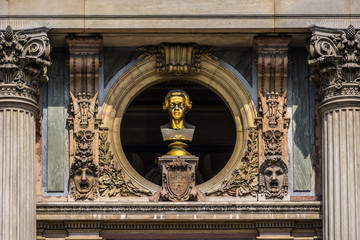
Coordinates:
(244, 180)
(274, 177)
(112, 181)
(24, 59)
(179, 58)
(335, 59)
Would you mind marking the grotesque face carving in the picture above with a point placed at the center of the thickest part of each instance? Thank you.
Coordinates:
(177, 103)
(274, 178)
(84, 179)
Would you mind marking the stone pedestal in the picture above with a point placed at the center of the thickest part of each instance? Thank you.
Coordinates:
(335, 58)
(23, 62)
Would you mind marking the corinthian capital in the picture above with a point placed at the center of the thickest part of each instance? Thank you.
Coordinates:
(335, 58)
(24, 58)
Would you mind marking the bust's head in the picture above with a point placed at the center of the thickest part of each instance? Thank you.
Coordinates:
(177, 103)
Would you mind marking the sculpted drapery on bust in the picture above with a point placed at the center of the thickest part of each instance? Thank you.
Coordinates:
(177, 103)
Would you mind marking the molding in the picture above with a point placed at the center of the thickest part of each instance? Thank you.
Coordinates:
(164, 207)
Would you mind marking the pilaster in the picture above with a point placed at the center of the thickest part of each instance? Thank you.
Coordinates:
(272, 120)
(83, 122)
(335, 58)
(24, 58)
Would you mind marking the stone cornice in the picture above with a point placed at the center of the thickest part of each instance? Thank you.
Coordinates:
(56, 208)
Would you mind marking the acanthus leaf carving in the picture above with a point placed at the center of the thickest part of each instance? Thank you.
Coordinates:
(244, 180)
(112, 181)
(335, 58)
(24, 59)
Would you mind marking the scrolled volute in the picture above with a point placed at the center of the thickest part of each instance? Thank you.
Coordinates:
(24, 59)
(335, 58)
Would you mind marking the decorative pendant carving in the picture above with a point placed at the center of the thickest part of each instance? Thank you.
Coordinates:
(24, 59)
(273, 124)
(335, 59)
(112, 181)
(178, 59)
(83, 125)
(244, 180)
(272, 121)
(83, 121)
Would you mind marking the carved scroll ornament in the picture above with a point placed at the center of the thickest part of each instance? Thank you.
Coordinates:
(179, 58)
(335, 58)
(24, 59)
(244, 180)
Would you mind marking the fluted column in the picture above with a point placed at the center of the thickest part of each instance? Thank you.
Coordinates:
(334, 55)
(24, 57)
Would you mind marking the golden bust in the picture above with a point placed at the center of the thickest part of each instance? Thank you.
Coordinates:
(177, 103)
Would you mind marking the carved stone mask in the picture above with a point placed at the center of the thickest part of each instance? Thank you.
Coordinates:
(274, 178)
(84, 179)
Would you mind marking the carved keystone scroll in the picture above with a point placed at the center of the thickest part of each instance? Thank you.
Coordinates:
(83, 121)
(272, 121)
(179, 58)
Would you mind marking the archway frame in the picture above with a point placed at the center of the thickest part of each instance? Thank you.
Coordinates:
(214, 76)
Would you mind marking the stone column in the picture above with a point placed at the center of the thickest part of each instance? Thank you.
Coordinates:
(334, 55)
(24, 58)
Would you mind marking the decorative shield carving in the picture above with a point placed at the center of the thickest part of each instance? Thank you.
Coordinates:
(179, 179)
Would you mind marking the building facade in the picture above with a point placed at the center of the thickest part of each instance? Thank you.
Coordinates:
(272, 88)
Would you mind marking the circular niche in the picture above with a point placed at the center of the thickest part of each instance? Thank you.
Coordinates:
(214, 138)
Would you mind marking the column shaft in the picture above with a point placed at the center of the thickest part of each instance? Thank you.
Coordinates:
(17, 152)
(341, 186)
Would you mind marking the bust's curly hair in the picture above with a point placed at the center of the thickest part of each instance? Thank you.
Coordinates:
(177, 92)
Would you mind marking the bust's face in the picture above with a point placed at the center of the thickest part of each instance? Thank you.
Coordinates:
(177, 108)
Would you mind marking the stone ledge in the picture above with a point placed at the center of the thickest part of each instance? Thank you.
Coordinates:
(179, 211)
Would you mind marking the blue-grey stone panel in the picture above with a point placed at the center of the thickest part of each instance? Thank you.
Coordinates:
(302, 126)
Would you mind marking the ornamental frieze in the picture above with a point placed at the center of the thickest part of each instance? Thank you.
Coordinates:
(335, 59)
(24, 59)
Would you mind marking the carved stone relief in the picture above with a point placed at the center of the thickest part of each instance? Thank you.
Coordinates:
(178, 59)
(112, 182)
(335, 59)
(24, 59)
(244, 180)
(272, 121)
(83, 125)
(273, 178)
(83, 179)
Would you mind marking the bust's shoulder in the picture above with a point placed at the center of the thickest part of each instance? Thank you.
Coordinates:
(189, 126)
